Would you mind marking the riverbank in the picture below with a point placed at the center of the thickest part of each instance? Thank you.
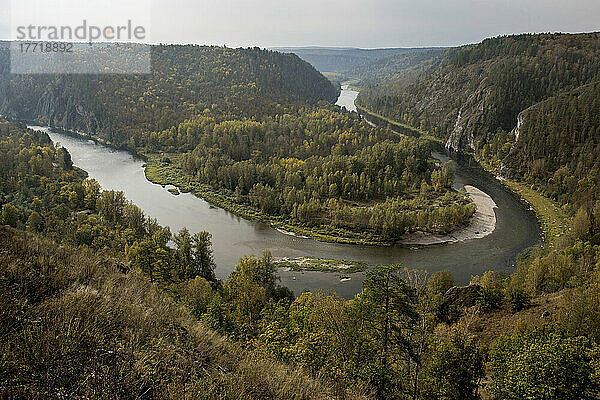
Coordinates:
(235, 237)
(398, 127)
(160, 171)
(552, 219)
(482, 224)
(164, 174)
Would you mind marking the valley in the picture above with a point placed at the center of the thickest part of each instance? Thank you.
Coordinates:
(302, 223)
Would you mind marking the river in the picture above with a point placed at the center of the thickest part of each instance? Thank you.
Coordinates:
(233, 237)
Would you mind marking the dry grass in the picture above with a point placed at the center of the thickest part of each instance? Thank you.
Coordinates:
(488, 326)
(73, 326)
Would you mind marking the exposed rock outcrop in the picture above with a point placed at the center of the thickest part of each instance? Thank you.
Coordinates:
(470, 120)
(456, 299)
(520, 121)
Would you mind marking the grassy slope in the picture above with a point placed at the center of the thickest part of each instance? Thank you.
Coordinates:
(555, 222)
(553, 219)
(74, 325)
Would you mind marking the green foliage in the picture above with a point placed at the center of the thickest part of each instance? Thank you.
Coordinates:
(249, 289)
(527, 105)
(544, 364)
(494, 286)
(73, 325)
(391, 306)
(47, 194)
(439, 283)
(453, 369)
(558, 147)
(10, 215)
(383, 339)
(185, 81)
(195, 255)
(518, 298)
(489, 84)
(582, 315)
(316, 168)
(383, 69)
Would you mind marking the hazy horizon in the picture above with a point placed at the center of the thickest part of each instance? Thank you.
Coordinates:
(336, 23)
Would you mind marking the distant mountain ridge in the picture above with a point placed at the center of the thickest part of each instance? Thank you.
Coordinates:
(383, 69)
(342, 59)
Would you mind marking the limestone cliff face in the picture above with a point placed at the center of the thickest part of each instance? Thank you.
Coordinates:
(67, 112)
(53, 106)
(470, 120)
(520, 121)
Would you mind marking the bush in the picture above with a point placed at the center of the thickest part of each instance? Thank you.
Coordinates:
(544, 364)
(518, 299)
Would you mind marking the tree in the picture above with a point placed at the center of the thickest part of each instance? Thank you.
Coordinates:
(439, 283)
(143, 255)
(250, 287)
(110, 206)
(92, 193)
(203, 262)
(152, 255)
(10, 215)
(581, 224)
(64, 158)
(185, 258)
(452, 369)
(35, 222)
(133, 218)
(388, 306)
(246, 295)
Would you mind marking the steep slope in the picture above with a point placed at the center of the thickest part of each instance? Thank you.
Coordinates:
(557, 144)
(185, 81)
(81, 318)
(74, 326)
(493, 99)
(475, 90)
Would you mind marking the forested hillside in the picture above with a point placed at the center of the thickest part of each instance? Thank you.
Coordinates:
(185, 81)
(382, 70)
(527, 108)
(80, 315)
(556, 145)
(475, 90)
(478, 98)
(248, 124)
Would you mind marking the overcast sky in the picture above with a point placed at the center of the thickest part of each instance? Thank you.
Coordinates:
(358, 23)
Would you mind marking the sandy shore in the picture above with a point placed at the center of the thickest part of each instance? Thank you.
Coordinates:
(482, 223)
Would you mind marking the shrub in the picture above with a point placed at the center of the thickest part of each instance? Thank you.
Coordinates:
(544, 364)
